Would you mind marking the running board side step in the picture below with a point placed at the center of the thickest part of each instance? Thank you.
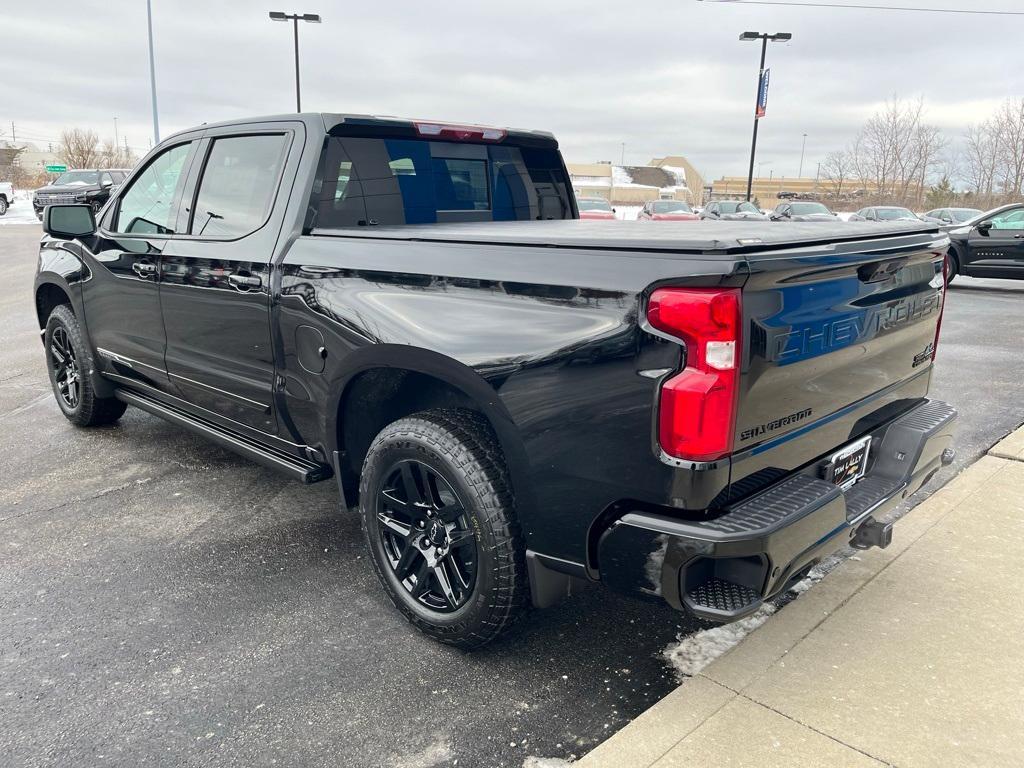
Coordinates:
(297, 468)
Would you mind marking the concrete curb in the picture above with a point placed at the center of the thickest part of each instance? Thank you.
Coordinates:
(720, 691)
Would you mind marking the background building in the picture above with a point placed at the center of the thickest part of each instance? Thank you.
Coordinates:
(664, 178)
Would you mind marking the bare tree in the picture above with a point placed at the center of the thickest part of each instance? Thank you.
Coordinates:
(994, 156)
(1010, 125)
(79, 148)
(981, 160)
(838, 171)
(896, 151)
(114, 156)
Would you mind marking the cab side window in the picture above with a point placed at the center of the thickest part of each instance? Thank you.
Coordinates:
(148, 205)
(239, 184)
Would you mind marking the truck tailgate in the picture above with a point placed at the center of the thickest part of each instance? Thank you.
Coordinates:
(834, 335)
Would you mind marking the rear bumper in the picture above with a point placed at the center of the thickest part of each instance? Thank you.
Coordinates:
(723, 569)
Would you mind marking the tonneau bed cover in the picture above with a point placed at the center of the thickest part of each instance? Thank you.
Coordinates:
(686, 237)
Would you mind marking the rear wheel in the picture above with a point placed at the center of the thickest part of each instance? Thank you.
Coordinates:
(69, 363)
(438, 515)
(952, 266)
(3, 206)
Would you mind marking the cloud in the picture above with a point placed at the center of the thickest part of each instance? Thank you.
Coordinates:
(663, 77)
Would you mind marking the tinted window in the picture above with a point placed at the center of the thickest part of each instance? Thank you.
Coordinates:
(147, 205)
(803, 209)
(238, 185)
(961, 215)
(670, 206)
(365, 181)
(1012, 220)
(894, 214)
(77, 178)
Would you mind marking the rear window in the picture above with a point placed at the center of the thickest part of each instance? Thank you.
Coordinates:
(376, 181)
(671, 206)
(591, 204)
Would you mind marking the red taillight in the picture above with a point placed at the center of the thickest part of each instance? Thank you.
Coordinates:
(460, 132)
(942, 303)
(697, 410)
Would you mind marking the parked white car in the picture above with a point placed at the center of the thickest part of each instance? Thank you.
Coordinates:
(6, 196)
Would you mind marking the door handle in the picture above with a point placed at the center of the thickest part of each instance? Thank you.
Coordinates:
(144, 269)
(245, 281)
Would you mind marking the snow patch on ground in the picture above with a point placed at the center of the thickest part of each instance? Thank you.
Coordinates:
(691, 653)
(20, 212)
(545, 762)
(627, 212)
(437, 753)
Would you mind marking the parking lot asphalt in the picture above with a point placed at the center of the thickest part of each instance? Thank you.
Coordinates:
(164, 602)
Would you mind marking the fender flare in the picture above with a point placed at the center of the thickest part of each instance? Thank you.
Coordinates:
(453, 373)
(67, 272)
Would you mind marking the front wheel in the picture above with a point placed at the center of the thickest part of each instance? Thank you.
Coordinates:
(69, 363)
(3, 206)
(438, 514)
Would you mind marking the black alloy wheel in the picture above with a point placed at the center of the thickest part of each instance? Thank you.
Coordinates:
(66, 372)
(426, 536)
(440, 521)
(72, 371)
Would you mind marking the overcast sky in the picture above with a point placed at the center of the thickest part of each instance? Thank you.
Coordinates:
(663, 76)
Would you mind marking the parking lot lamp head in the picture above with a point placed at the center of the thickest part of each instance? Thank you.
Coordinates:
(295, 18)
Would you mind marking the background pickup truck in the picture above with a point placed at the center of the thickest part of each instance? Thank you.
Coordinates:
(516, 401)
(6, 196)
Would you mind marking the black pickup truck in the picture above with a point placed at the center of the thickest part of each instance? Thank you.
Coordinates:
(516, 401)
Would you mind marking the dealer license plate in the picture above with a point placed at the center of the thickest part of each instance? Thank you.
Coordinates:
(847, 465)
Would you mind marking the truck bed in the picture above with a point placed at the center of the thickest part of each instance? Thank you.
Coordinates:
(679, 237)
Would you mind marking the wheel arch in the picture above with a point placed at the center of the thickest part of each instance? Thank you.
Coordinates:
(51, 293)
(386, 382)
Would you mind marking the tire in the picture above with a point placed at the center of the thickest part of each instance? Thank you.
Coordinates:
(68, 357)
(3, 205)
(444, 468)
(952, 266)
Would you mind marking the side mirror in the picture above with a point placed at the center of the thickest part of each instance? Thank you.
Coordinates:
(68, 221)
(984, 227)
(946, 220)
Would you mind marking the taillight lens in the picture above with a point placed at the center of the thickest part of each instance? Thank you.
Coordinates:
(697, 409)
(942, 303)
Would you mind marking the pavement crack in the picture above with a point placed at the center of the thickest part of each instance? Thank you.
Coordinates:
(30, 404)
(78, 500)
(819, 732)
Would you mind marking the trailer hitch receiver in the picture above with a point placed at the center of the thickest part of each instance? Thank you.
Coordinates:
(872, 533)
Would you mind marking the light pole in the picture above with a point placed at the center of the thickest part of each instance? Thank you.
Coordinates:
(152, 71)
(764, 37)
(800, 173)
(116, 141)
(295, 18)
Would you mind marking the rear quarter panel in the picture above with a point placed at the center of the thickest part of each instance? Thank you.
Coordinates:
(550, 336)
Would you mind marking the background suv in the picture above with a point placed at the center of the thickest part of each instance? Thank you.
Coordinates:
(90, 186)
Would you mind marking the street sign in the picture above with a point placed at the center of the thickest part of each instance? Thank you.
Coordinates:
(56, 168)
(762, 95)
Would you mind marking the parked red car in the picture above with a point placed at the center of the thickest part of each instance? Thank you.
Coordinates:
(595, 208)
(667, 210)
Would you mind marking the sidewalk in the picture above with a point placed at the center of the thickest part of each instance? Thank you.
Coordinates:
(912, 655)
